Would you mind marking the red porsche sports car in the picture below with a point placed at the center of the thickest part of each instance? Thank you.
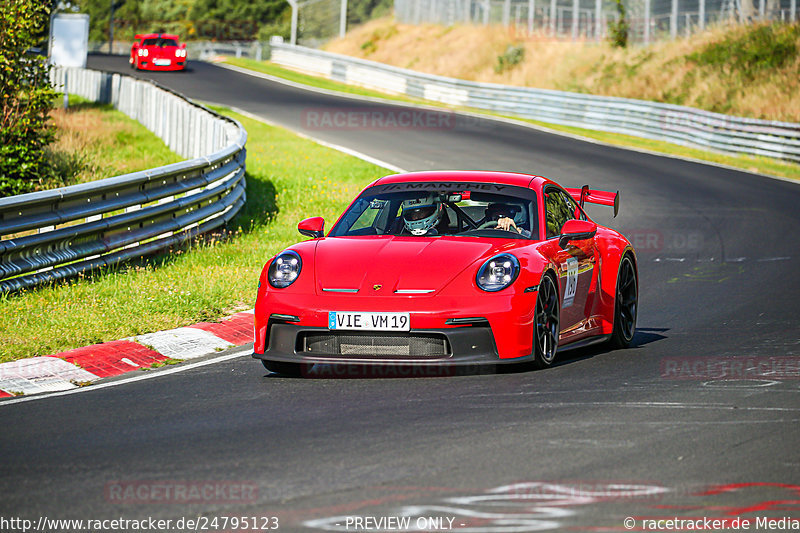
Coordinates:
(449, 267)
(158, 51)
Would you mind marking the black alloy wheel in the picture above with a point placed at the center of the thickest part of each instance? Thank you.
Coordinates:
(545, 328)
(626, 304)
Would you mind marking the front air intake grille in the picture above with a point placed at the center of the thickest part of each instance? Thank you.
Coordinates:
(374, 345)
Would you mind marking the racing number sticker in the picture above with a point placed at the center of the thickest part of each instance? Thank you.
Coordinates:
(572, 281)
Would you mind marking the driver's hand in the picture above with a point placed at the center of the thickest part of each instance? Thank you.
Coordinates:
(505, 223)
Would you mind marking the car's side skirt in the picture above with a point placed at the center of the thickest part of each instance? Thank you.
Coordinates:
(582, 343)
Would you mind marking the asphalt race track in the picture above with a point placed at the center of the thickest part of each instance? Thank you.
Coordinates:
(644, 432)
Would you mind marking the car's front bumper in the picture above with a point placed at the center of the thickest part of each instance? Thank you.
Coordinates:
(468, 345)
(149, 65)
(493, 328)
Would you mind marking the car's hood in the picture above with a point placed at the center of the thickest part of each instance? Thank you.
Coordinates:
(401, 264)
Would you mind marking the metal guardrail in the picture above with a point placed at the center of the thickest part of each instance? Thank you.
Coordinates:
(59, 233)
(204, 50)
(676, 124)
(196, 50)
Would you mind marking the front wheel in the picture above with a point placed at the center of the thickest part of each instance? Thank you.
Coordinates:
(626, 304)
(545, 325)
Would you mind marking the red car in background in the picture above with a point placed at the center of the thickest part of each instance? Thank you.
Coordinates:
(158, 51)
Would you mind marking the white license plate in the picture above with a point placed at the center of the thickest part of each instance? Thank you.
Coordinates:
(162, 62)
(368, 321)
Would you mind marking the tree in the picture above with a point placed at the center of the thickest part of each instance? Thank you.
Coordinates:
(618, 30)
(25, 127)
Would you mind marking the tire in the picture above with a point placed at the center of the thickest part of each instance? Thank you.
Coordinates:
(286, 369)
(546, 323)
(626, 304)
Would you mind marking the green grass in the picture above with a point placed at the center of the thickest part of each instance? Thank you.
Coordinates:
(288, 179)
(764, 48)
(95, 141)
(761, 165)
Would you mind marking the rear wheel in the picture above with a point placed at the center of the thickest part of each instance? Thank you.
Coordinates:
(546, 326)
(286, 369)
(626, 304)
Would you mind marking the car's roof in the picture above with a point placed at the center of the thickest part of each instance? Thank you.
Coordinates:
(157, 35)
(480, 176)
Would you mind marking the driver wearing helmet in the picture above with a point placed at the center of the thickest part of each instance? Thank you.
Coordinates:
(422, 215)
(503, 216)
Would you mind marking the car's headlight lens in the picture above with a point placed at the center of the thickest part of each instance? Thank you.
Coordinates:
(498, 273)
(145, 52)
(285, 269)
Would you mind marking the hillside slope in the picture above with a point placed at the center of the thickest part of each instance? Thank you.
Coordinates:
(751, 71)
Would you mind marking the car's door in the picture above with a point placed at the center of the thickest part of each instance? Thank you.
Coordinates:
(575, 263)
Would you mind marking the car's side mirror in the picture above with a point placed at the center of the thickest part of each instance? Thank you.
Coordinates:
(576, 230)
(312, 227)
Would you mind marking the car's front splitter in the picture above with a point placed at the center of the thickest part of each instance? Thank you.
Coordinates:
(470, 345)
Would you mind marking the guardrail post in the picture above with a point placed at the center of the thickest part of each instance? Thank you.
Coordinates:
(575, 18)
(294, 6)
(342, 19)
(598, 19)
(673, 20)
(66, 93)
(701, 22)
(531, 15)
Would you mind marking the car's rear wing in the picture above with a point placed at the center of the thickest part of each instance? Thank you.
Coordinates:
(140, 36)
(585, 194)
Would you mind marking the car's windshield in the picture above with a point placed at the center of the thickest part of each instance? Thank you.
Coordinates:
(434, 209)
(159, 42)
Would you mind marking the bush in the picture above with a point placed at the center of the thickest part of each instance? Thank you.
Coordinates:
(758, 48)
(618, 30)
(25, 128)
(513, 55)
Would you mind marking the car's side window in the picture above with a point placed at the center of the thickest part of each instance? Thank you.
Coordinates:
(558, 208)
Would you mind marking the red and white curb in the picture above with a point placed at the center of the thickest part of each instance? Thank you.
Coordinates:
(78, 367)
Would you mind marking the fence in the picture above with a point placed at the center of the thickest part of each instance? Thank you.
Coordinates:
(589, 19)
(59, 233)
(672, 123)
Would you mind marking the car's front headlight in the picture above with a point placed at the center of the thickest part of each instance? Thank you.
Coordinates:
(285, 269)
(498, 273)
